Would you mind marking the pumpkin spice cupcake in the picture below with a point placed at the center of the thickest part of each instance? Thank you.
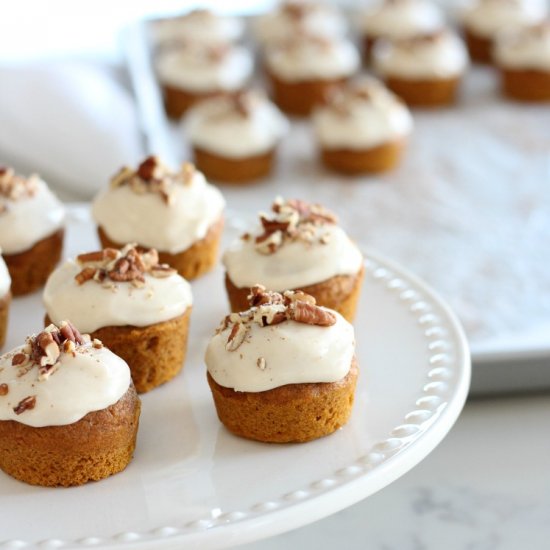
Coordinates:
(426, 70)
(31, 230)
(297, 246)
(302, 70)
(483, 20)
(362, 128)
(284, 370)
(177, 213)
(523, 58)
(5, 300)
(138, 308)
(212, 127)
(193, 71)
(69, 413)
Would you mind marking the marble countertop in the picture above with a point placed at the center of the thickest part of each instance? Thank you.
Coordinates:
(486, 487)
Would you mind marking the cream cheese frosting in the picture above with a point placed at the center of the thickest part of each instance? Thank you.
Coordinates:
(396, 19)
(101, 300)
(257, 351)
(486, 18)
(214, 124)
(296, 17)
(180, 207)
(361, 115)
(29, 212)
(305, 253)
(85, 378)
(201, 68)
(306, 57)
(438, 55)
(526, 48)
(5, 279)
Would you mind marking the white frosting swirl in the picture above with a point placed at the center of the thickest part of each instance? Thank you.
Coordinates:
(172, 228)
(192, 68)
(91, 380)
(401, 19)
(91, 306)
(528, 48)
(353, 121)
(488, 17)
(294, 353)
(5, 280)
(214, 124)
(27, 220)
(296, 263)
(306, 58)
(443, 56)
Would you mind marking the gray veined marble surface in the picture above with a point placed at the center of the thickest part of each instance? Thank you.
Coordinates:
(486, 487)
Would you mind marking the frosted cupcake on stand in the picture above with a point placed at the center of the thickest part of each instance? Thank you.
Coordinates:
(235, 137)
(193, 71)
(31, 230)
(425, 70)
(362, 128)
(523, 58)
(5, 300)
(483, 20)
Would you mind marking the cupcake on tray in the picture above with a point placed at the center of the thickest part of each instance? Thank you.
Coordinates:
(178, 213)
(283, 370)
(362, 128)
(425, 70)
(193, 71)
(136, 306)
(483, 20)
(297, 246)
(31, 230)
(304, 68)
(235, 137)
(398, 19)
(295, 16)
(523, 58)
(5, 300)
(68, 410)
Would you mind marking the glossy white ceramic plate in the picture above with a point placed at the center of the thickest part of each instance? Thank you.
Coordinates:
(194, 485)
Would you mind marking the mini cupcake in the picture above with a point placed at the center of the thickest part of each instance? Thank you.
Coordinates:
(194, 71)
(68, 410)
(362, 128)
(398, 20)
(304, 68)
(177, 213)
(294, 17)
(31, 230)
(5, 299)
(284, 370)
(523, 58)
(483, 20)
(137, 307)
(213, 125)
(425, 70)
(298, 246)
(200, 25)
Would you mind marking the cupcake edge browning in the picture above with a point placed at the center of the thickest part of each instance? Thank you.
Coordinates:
(4, 313)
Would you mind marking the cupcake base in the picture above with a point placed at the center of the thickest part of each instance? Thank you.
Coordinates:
(30, 269)
(299, 98)
(97, 446)
(178, 101)
(479, 47)
(430, 92)
(191, 263)
(364, 161)
(340, 293)
(291, 413)
(526, 84)
(4, 312)
(233, 170)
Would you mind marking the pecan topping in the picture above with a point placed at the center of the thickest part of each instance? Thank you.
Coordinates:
(128, 265)
(25, 404)
(19, 359)
(312, 315)
(4, 389)
(14, 187)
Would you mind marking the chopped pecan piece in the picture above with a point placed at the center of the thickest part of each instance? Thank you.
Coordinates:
(312, 315)
(25, 404)
(19, 359)
(4, 389)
